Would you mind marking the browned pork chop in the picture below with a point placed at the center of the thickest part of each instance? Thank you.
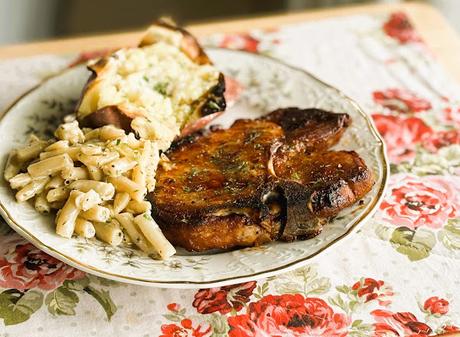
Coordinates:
(258, 181)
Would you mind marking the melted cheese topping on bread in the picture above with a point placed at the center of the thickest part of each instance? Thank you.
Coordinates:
(158, 82)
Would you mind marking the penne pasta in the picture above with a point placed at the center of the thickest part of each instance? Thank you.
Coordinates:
(96, 213)
(105, 190)
(12, 166)
(55, 182)
(88, 200)
(97, 180)
(31, 151)
(126, 151)
(109, 132)
(109, 232)
(98, 160)
(41, 204)
(132, 141)
(124, 184)
(65, 220)
(36, 186)
(127, 222)
(74, 173)
(138, 175)
(57, 204)
(120, 202)
(154, 235)
(91, 149)
(117, 167)
(57, 194)
(126, 239)
(84, 228)
(50, 166)
(94, 172)
(20, 180)
(60, 145)
(138, 207)
(92, 134)
(71, 132)
(33, 138)
(72, 152)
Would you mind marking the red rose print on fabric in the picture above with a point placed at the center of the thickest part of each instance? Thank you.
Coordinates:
(173, 307)
(28, 267)
(398, 324)
(242, 41)
(450, 328)
(399, 28)
(186, 329)
(414, 201)
(289, 315)
(436, 306)
(370, 289)
(223, 299)
(401, 100)
(433, 142)
(451, 115)
(401, 135)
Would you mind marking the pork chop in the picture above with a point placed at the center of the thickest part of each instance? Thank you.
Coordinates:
(258, 181)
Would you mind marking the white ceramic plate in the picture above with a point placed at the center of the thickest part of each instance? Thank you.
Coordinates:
(268, 84)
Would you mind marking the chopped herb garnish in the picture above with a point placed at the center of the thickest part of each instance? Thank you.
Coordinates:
(118, 141)
(147, 216)
(295, 175)
(146, 79)
(213, 105)
(193, 173)
(187, 189)
(251, 136)
(162, 88)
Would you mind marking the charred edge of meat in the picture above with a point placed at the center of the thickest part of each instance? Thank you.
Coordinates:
(186, 140)
(309, 130)
(294, 118)
(326, 200)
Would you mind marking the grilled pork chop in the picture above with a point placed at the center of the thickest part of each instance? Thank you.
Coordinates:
(258, 181)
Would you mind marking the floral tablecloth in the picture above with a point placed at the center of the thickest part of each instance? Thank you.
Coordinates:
(398, 276)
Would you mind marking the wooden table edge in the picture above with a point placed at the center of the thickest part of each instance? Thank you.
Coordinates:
(436, 31)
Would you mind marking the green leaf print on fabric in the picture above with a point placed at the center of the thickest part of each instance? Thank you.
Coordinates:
(416, 244)
(303, 281)
(360, 329)
(450, 234)
(446, 161)
(77, 285)
(4, 228)
(261, 290)
(17, 307)
(103, 297)
(219, 325)
(61, 301)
